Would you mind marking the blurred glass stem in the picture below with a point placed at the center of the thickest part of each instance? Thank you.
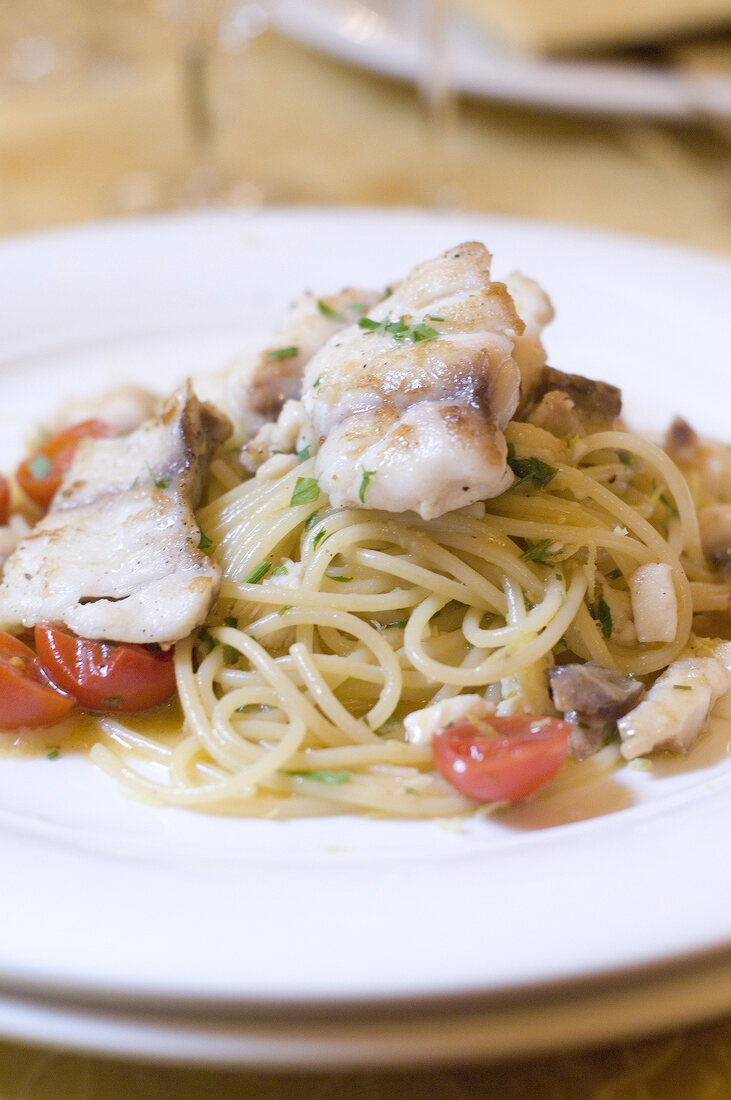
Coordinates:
(439, 99)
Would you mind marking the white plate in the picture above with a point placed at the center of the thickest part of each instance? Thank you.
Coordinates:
(137, 907)
(380, 36)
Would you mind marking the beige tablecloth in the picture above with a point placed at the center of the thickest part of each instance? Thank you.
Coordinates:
(294, 127)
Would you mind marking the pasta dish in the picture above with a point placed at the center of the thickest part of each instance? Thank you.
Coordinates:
(394, 562)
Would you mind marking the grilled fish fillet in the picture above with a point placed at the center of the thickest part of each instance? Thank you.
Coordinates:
(117, 556)
(409, 404)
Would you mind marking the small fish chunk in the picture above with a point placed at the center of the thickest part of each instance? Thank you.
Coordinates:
(123, 408)
(676, 707)
(117, 556)
(654, 603)
(254, 388)
(421, 725)
(408, 405)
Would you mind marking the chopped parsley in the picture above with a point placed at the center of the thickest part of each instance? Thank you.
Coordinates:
(531, 467)
(311, 521)
(283, 610)
(280, 571)
(365, 482)
(230, 653)
(305, 490)
(304, 454)
(682, 687)
(40, 467)
(417, 333)
(321, 775)
(204, 543)
(159, 483)
(231, 621)
(320, 535)
(536, 551)
(339, 578)
(283, 353)
(604, 617)
(395, 626)
(317, 382)
(53, 752)
(329, 312)
(258, 572)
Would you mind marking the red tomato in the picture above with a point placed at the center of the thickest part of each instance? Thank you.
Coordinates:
(41, 473)
(505, 760)
(4, 500)
(106, 675)
(26, 698)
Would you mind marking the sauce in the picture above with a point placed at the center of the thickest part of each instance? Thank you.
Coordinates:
(81, 730)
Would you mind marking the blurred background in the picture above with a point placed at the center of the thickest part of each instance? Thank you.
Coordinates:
(613, 115)
(609, 115)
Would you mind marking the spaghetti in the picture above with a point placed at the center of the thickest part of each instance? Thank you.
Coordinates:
(333, 624)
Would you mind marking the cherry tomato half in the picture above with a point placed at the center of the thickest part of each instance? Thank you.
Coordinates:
(26, 698)
(520, 758)
(40, 474)
(105, 675)
(4, 500)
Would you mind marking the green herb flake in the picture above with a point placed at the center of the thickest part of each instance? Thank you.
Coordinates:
(230, 620)
(305, 491)
(400, 625)
(317, 383)
(230, 654)
(40, 467)
(365, 482)
(668, 504)
(320, 535)
(283, 610)
(329, 312)
(321, 775)
(304, 454)
(399, 330)
(531, 467)
(422, 332)
(311, 521)
(280, 571)
(358, 307)
(53, 752)
(682, 687)
(536, 551)
(340, 578)
(625, 458)
(433, 317)
(604, 618)
(204, 543)
(256, 574)
(283, 353)
(158, 482)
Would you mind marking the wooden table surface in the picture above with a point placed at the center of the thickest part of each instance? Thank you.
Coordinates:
(109, 138)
